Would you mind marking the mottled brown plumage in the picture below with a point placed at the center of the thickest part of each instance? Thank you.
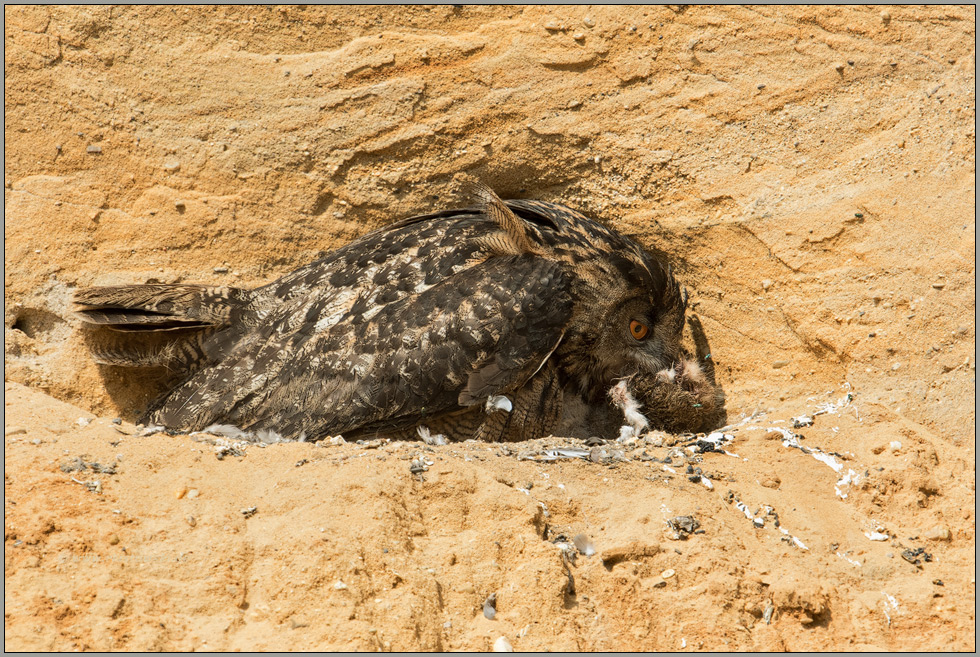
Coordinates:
(430, 321)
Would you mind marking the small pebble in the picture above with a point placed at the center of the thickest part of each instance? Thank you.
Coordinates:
(339, 586)
(578, 36)
(938, 533)
(297, 622)
(171, 166)
(802, 421)
(93, 149)
(894, 446)
(181, 492)
(659, 583)
(886, 18)
(939, 286)
(767, 612)
(490, 607)
(193, 493)
(552, 26)
(114, 539)
(220, 270)
(839, 67)
(180, 205)
(250, 511)
(779, 363)
(502, 645)
(191, 520)
(766, 284)
(117, 420)
(83, 421)
(588, 22)
(667, 574)
(575, 104)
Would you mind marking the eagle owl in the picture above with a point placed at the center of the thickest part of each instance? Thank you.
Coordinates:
(506, 321)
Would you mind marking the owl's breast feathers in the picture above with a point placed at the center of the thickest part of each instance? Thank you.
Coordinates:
(427, 317)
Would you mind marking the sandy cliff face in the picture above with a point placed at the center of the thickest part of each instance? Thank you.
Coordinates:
(810, 172)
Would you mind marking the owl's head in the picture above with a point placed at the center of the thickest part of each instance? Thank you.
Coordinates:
(630, 319)
(629, 310)
(642, 325)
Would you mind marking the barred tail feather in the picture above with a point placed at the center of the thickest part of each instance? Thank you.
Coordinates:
(159, 307)
(158, 325)
(177, 351)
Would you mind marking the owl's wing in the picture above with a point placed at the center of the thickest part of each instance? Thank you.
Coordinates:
(482, 331)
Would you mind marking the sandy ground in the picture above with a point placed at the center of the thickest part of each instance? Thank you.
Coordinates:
(809, 171)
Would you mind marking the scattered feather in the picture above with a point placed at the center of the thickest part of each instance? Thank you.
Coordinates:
(498, 402)
(584, 544)
(429, 438)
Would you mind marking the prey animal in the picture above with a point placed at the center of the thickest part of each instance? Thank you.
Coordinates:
(505, 321)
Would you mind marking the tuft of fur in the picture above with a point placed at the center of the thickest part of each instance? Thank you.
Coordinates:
(624, 401)
(681, 398)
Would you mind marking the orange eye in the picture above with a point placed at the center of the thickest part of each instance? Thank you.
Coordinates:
(638, 330)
